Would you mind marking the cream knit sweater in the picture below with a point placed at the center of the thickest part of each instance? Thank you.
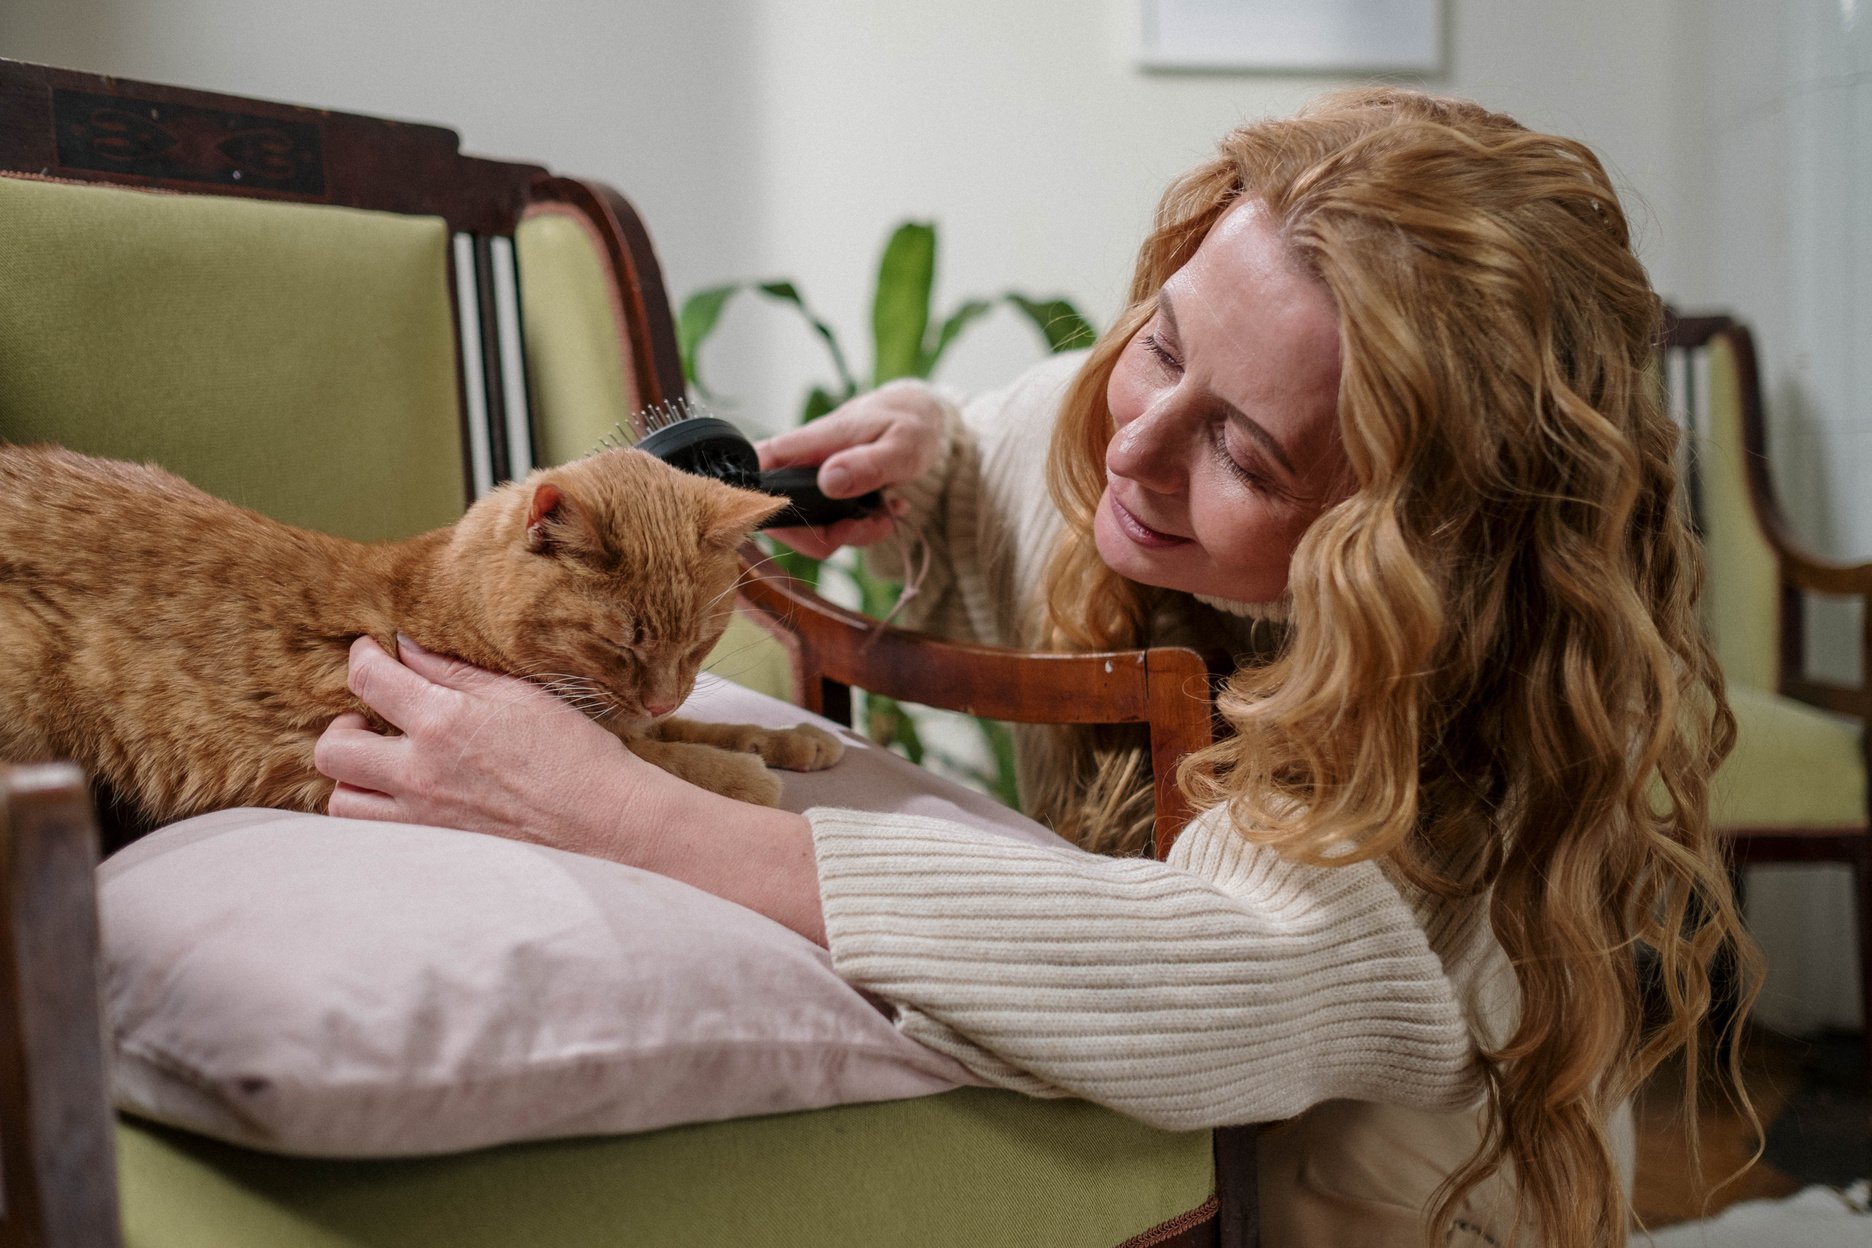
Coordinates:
(1225, 985)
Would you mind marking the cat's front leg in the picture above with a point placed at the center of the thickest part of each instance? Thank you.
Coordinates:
(740, 776)
(801, 748)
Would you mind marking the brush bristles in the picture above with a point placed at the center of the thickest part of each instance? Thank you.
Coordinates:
(663, 415)
(647, 421)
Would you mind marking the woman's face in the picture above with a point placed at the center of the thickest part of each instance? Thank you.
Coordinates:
(1226, 443)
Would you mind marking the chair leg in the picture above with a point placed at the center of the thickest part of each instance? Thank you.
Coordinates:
(58, 1178)
(1862, 904)
(1238, 1220)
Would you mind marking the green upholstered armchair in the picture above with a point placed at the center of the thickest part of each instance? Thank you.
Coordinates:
(344, 323)
(1794, 790)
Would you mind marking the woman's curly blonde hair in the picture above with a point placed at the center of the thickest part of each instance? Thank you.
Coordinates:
(1494, 677)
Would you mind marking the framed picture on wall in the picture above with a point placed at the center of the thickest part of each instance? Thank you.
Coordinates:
(1338, 36)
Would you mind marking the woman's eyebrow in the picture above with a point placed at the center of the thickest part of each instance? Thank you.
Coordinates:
(1249, 425)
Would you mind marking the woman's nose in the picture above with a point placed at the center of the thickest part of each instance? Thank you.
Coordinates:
(1149, 450)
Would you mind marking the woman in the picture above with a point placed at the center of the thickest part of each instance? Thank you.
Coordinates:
(1384, 376)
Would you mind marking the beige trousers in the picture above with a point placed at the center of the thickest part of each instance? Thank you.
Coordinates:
(1353, 1174)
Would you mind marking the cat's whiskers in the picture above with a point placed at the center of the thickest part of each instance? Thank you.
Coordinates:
(716, 660)
(745, 577)
(579, 692)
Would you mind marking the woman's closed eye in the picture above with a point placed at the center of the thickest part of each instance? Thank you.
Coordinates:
(1244, 464)
(1166, 356)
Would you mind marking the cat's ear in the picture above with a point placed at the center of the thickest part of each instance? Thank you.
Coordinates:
(554, 524)
(736, 513)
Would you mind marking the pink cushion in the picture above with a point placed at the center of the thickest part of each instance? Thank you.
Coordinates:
(331, 987)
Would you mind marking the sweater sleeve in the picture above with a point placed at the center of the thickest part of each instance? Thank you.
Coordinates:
(1224, 986)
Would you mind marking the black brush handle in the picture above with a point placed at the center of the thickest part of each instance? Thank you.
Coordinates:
(807, 504)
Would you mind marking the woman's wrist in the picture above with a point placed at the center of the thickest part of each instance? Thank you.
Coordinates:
(754, 856)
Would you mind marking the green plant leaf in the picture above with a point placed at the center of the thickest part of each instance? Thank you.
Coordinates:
(1003, 784)
(695, 323)
(701, 311)
(799, 567)
(1058, 320)
(818, 403)
(889, 724)
(787, 292)
(958, 321)
(876, 596)
(900, 310)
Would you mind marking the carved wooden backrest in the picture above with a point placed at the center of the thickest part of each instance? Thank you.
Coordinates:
(192, 276)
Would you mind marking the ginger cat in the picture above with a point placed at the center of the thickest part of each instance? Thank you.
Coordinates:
(188, 652)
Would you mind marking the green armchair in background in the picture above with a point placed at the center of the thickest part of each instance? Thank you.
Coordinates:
(1794, 790)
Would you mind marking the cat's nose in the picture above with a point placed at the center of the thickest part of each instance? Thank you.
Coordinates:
(657, 710)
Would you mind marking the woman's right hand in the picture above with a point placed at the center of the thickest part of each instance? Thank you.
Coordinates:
(884, 438)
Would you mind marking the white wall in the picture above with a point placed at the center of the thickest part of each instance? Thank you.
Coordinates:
(785, 137)
(768, 137)
(1027, 133)
(1784, 182)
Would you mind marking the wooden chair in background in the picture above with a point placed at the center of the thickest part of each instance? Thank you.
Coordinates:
(1795, 789)
(343, 322)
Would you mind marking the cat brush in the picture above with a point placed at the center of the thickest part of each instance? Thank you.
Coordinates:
(686, 437)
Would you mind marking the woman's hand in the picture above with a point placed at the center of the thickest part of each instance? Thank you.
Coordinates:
(489, 753)
(884, 438)
(479, 751)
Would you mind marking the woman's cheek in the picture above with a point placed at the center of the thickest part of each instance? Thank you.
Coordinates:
(1125, 393)
(1249, 538)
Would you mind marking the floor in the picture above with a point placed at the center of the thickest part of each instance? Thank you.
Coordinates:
(1812, 1099)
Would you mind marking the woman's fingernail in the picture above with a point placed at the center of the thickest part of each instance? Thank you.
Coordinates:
(404, 643)
(835, 481)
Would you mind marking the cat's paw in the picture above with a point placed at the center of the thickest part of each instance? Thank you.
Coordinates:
(804, 748)
(746, 779)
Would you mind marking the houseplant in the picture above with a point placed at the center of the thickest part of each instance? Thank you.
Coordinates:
(908, 340)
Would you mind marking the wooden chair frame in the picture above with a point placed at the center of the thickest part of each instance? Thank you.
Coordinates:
(56, 1154)
(1801, 573)
(833, 650)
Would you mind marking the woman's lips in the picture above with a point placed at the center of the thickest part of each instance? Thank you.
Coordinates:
(1138, 531)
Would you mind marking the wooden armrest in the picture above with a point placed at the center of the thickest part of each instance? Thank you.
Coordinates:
(57, 1166)
(1166, 687)
(1853, 701)
(1807, 571)
(1800, 567)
